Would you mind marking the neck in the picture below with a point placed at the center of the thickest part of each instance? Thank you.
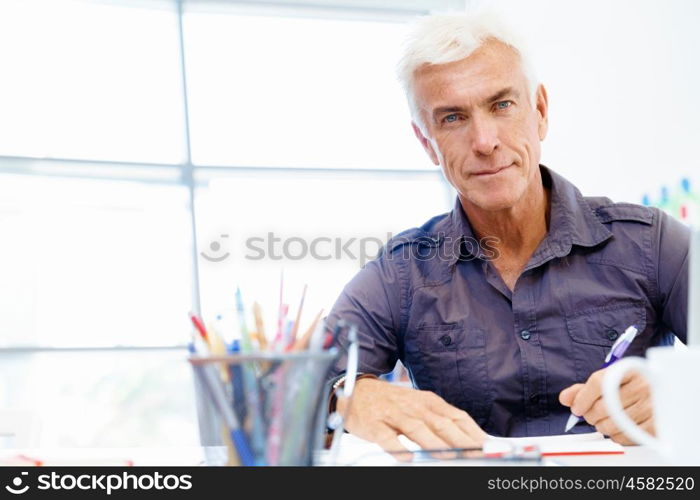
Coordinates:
(519, 229)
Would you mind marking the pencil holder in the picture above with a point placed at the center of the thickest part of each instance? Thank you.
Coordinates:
(269, 408)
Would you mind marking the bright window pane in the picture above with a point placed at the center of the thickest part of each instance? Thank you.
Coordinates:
(284, 91)
(90, 80)
(96, 399)
(268, 220)
(87, 262)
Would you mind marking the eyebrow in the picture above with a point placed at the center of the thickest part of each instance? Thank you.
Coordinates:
(495, 97)
(501, 94)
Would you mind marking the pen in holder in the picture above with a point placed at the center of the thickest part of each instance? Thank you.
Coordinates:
(336, 420)
(272, 405)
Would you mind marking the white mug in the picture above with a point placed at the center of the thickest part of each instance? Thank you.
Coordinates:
(674, 375)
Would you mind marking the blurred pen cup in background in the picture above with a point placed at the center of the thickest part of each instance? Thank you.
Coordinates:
(269, 408)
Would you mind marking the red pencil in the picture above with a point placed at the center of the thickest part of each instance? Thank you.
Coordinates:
(199, 325)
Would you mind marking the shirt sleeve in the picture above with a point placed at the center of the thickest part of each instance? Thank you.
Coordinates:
(372, 302)
(672, 277)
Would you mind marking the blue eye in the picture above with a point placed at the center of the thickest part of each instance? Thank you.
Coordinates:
(503, 104)
(450, 118)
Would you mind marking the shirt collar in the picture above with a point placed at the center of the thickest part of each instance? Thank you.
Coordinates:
(571, 222)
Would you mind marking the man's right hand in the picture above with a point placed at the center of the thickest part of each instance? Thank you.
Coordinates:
(381, 411)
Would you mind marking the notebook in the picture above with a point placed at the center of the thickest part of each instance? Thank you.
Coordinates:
(592, 443)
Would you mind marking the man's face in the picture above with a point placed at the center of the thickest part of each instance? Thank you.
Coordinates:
(481, 126)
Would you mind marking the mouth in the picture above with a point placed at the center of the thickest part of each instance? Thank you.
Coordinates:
(491, 172)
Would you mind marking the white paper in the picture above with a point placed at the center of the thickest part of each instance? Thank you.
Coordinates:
(564, 444)
(357, 451)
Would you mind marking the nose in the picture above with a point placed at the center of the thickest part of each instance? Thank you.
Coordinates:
(484, 136)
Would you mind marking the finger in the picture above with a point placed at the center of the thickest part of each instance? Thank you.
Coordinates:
(592, 391)
(635, 389)
(607, 427)
(448, 430)
(597, 413)
(639, 412)
(632, 394)
(648, 425)
(566, 397)
(418, 431)
(471, 428)
(621, 438)
(388, 439)
(588, 395)
(460, 417)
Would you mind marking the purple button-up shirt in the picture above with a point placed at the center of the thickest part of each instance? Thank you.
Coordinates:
(434, 300)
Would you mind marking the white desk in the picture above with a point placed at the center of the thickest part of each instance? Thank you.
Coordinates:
(117, 457)
(353, 451)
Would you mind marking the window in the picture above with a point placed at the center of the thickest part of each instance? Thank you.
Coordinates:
(297, 92)
(93, 262)
(90, 80)
(295, 128)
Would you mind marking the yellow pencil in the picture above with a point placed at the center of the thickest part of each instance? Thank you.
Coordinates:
(302, 342)
(259, 326)
(232, 455)
(218, 348)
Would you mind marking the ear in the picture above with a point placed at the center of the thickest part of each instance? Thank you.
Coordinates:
(542, 107)
(425, 142)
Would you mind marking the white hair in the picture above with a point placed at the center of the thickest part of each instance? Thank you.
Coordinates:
(445, 38)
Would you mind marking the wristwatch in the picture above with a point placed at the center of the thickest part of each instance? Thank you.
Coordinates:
(333, 399)
(338, 383)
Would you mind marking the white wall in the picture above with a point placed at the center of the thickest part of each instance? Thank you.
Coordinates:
(623, 78)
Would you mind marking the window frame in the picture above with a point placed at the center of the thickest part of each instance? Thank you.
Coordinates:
(193, 176)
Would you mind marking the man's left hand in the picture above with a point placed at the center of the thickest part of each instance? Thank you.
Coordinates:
(586, 400)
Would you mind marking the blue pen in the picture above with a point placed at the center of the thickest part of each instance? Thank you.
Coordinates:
(211, 382)
(236, 373)
(216, 393)
(616, 352)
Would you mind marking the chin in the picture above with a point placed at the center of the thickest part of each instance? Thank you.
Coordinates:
(493, 202)
(495, 205)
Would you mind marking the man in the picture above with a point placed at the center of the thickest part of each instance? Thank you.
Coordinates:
(504, 309)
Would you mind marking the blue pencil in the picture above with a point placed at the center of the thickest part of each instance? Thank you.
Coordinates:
(251, 385)
(236, 375)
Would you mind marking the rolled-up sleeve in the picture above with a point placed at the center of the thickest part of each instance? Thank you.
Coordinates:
(372, 302)
(672, 267)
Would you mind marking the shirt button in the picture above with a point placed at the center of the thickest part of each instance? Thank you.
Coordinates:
(611, 334)
(525, 335)
(446, 340)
